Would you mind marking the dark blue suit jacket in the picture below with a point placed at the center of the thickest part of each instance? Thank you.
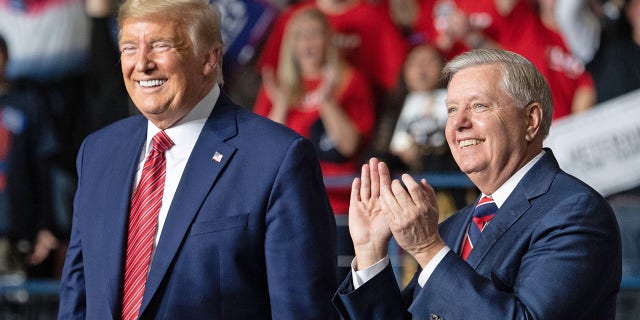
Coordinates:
(551, 252)
(249, 237)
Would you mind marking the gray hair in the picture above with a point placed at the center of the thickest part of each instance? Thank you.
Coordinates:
(199, 19)
(520, 79)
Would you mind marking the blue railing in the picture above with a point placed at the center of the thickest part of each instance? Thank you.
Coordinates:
(39, 287)
(630, 282)
(435, 179)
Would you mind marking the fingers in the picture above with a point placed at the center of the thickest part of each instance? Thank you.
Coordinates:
(386, 211)
(396, 195)
(329, 76)
(416, 194)
(365, 185)
(400, 201)
(268, 79)
(429, 192)
(388, 190)
(355, 191)
(370, 180)
(391, 208)
(375, 177)
(385, 176)
(403, 199)
(416, 190)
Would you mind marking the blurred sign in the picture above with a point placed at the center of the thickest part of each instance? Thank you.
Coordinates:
(244, 24)
(601, 146)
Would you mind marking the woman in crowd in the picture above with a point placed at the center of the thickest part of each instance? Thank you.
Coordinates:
(316, 93)
(418, 139)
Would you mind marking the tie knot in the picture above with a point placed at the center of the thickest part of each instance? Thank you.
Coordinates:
(162, 142)
(485, 207)
(483, 213)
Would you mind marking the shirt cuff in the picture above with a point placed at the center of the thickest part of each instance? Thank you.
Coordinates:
(362, 276)
(431, 266)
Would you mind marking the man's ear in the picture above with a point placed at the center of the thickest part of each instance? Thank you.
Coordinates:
(533, 113)
(211, 61)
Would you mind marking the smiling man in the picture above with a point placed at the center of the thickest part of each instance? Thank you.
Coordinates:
(537, 244)
(196, 209)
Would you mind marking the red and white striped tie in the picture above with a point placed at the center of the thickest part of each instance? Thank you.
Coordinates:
(143, 224)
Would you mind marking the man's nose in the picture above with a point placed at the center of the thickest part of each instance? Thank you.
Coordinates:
(460, 120)
(144, 60)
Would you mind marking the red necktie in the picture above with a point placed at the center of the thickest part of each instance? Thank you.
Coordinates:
(483, 213)
(143, 224)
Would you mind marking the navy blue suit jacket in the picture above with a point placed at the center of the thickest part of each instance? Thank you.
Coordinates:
(551, 252)
(249, 237)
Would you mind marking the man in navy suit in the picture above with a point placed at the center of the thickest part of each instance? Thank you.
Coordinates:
(552, 248)
(244, 229)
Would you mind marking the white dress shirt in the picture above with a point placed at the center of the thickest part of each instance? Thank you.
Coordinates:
(184, 135)
(499, 197)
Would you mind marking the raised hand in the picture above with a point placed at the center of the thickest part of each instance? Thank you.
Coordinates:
(367, 224)
(329, 83)
(412, 215)
(277, 94)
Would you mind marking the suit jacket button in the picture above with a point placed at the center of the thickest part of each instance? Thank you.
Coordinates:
(434, 316)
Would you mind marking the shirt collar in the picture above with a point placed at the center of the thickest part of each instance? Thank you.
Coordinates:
(196, 117)
(504, 191)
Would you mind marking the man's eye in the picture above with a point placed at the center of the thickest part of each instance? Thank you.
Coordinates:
(479, 106)
(159, 47)
(128, 50)
(451, 110)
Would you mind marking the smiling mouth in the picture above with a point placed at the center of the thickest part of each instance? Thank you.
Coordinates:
(151, 83)
(469, 142)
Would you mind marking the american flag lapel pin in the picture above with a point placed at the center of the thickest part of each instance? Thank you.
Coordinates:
(217, 157)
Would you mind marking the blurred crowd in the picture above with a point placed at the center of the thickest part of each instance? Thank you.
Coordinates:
(356, 77)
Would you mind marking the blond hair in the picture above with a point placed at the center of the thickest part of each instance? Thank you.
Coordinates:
(289, 74)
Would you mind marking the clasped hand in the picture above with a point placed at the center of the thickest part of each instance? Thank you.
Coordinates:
(381, 207)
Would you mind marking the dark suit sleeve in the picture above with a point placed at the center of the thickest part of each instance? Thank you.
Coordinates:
(300, 239)
(380, 295)
(72, 287)
(568, 268)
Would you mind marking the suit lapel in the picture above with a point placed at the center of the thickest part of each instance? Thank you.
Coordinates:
(457, 229)
(535, 183)
(196, 182)
(114, 218)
